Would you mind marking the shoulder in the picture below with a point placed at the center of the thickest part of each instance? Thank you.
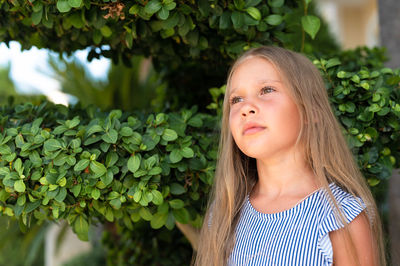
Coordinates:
(331, 233)
(361, 235)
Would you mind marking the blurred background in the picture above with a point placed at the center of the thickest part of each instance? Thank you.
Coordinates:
(39, 73)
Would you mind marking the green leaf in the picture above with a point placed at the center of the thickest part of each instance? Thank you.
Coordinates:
(239, 4)
(19, 186)
(63, 6)
(81, 228)
(169, 23)
(77, 22)
(250, 3)
(111, 159)
(98, 168)
(76, 190)
(5, 149)
(157, 197)
(181, 215)
(254, 13)
(176, 203)
(237, 19)
(175, 156)
(62, 193)
(158, 220)
(169, 135)
(225, 20)
(113, 195)
(111, 136)
(134, 10)
(95, 193)
(12, 132)
(116, 203)
(155, 171)
(37, 17)
(195, 121)
(31, 206)
(21, 200)
(134, 163)
(109, 214)
(52, 145)
(152, 6)
(75, 3)
(276, 3)
(106, 31)
(126, 131)
(94, 129)
(163, 14)
(373, 181)
(274, 20)
(145, 214)
(81, 165)
(37, 6)
(170, 6)
(177, 189)
(332, 62)
(107, 178)
(311, 25)
(18, 166)
(187, 152)
(137, 196)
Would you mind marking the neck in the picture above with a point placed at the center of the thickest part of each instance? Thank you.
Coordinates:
(283, 176)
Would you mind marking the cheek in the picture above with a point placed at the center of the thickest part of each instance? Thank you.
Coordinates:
(293, 120)
(233, 121)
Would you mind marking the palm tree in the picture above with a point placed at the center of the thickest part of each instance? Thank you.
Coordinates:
(128, 88)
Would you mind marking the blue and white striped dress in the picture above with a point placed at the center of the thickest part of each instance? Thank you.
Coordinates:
(297, 236)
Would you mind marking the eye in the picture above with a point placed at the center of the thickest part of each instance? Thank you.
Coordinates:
(235, 100)
(266, 90)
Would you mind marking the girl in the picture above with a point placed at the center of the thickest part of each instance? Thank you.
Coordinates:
(287, 190)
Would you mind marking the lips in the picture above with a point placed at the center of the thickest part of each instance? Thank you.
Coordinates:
(252, 128)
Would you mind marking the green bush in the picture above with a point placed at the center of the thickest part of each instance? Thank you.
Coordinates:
(87, 165)
(78, 165)
(192, 43)
(138, 170)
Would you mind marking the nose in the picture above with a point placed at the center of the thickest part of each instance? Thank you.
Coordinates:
(248, 109)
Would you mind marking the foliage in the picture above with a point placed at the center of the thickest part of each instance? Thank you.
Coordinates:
(108, 166)
(208, 30)
(192, 42)
(365, 97)
(353, 60)
(8, 94)
(26, 248)
(139, 169)
(367, 103)
(145, 246)
(93, 166)
(138, 87)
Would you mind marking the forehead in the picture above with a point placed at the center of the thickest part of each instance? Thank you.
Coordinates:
(254, 71)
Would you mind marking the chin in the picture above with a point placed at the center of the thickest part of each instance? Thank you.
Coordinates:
(252, 153)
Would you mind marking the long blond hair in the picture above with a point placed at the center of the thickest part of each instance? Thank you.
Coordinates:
(326, 153)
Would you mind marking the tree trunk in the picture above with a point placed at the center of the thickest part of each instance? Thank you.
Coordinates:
(394, 216)
(389, 22)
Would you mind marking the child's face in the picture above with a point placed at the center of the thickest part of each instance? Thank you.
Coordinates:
(263, 118)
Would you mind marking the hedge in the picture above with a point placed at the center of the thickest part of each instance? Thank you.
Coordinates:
(88, 166)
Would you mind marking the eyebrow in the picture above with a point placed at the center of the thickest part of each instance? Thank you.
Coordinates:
(261, 81)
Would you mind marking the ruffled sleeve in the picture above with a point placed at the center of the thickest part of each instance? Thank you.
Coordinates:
(351, 207)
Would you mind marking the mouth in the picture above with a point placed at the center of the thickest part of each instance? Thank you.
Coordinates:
(252, 129)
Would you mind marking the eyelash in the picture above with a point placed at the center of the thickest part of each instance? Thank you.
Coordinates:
(232, 101)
